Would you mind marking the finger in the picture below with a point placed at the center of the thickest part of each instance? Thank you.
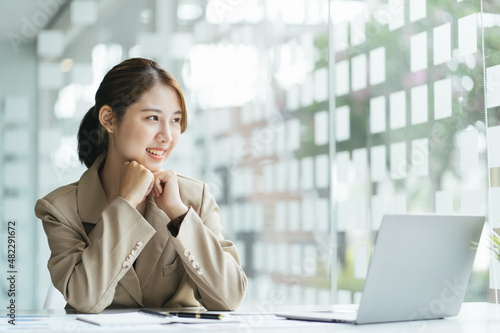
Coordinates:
(151, 176)
(166, 177)
(151, 185)
(157, 185)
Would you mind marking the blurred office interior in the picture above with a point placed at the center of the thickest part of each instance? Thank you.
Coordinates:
(309, 120)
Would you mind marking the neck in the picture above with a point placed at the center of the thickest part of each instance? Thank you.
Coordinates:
(110, 177)
(110, 180)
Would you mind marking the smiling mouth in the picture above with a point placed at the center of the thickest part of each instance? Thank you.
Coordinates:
(155, 152)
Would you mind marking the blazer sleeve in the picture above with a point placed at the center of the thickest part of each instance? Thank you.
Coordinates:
(211, 262)
(87, 274)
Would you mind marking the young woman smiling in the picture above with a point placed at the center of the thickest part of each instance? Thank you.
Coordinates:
(129, 234)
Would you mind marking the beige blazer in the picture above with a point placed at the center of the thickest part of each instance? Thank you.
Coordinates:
(94, 246)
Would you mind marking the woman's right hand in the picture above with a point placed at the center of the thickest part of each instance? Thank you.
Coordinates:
(136, 182)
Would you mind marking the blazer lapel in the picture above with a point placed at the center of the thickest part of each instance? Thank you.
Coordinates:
(91, 198)
(91, 201)
(148, 259)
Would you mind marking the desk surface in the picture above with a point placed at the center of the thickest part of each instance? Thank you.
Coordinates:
(473, 317)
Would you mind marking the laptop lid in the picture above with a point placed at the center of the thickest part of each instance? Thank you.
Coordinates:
(420, 267)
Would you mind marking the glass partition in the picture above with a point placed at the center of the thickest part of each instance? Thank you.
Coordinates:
(410, 126)
(490, 27)
(260, 92)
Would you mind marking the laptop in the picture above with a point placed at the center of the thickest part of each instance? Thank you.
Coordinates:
(420, 268)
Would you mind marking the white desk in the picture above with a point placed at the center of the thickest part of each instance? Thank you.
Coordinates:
(473, 318)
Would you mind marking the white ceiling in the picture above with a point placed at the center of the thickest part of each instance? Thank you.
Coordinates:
(21, 17)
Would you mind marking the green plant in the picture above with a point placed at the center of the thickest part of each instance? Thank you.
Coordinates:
(494, 245)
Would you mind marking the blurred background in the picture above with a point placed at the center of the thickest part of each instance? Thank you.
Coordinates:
(309, 120)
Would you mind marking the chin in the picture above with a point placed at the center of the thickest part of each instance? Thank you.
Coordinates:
(153, 167)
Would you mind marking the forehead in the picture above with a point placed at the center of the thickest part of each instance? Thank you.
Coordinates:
(162, 97)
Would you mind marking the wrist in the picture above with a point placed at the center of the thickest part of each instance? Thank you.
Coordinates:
(130, 201)
(176, 211)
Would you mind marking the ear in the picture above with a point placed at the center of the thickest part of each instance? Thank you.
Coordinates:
(107, 118)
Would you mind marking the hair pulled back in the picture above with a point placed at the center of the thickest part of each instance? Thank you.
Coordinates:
(121, 87)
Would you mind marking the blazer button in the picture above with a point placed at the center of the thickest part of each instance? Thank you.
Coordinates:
(187, 253)
(134, 252)
(196, 264)
(191, 258)
(130, 257)
(199, 271)
(139, 245)
(126, 264)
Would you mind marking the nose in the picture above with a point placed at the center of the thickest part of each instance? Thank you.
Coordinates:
(164, 135)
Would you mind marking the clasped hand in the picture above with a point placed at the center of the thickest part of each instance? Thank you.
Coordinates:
(136, 182)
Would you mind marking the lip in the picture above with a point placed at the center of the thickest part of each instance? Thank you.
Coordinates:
(157, 157)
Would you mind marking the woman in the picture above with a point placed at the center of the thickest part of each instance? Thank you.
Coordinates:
(129, 234)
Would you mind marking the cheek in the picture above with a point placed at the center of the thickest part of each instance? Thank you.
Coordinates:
(175, 132)
(132, 136)
(136, 132)
(175, 137)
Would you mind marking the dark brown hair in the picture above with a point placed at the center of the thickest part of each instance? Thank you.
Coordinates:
(122, 86)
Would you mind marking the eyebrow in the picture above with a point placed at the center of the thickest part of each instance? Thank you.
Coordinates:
(160, 111)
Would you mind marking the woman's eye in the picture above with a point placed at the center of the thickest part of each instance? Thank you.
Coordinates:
(155, 118)
(176, 120)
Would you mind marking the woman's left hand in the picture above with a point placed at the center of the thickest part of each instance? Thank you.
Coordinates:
(166, 193)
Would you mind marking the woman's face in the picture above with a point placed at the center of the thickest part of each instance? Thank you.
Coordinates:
(150, 128)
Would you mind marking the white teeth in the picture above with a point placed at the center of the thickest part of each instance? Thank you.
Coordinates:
(155, 152)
